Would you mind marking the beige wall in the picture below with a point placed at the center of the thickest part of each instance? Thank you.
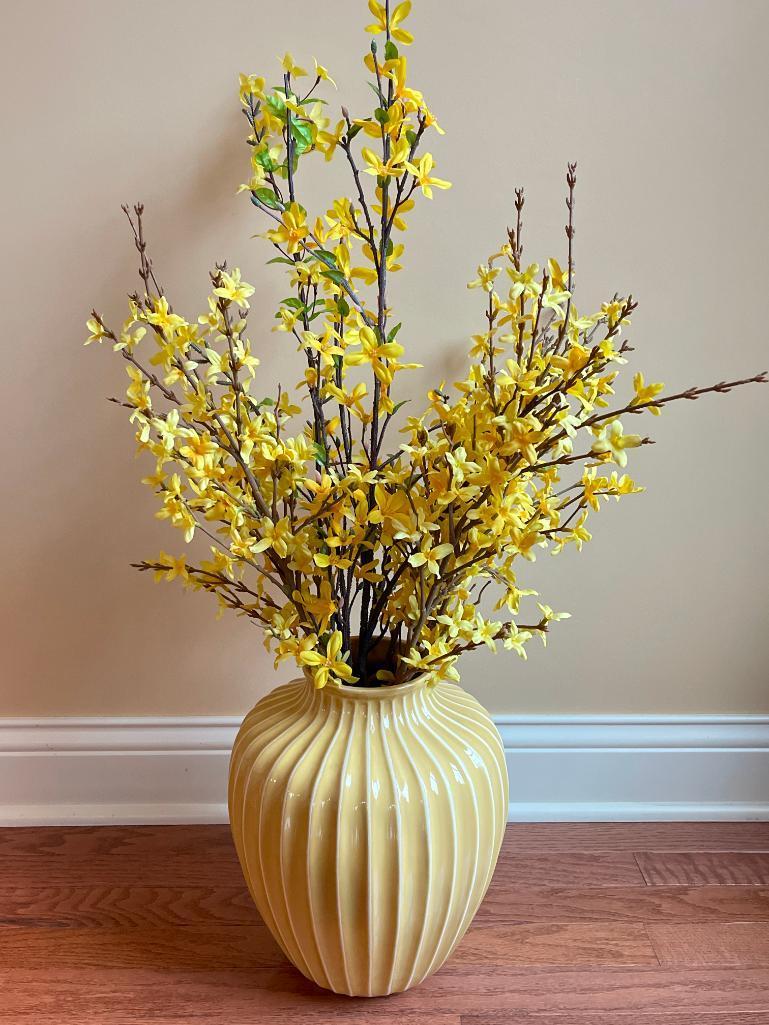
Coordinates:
(663, 105)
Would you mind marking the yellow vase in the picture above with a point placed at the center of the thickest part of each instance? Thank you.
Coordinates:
(368, 822)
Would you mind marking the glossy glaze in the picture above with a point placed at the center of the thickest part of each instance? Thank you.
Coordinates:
(368, 823)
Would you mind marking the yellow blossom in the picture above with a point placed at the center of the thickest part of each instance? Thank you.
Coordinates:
(170, 567)
(322, 74)
(516, 639)
(275, 536)
(612, 441)
(292, 231)
(430, 557)
(234, 289)
(162, 317)
(394, 164)
(646, 393)
(421, 171)
(375, 353)
(485, 279)
(326, 666)
(251, 85)
(392, 508)
(96, 329)
(400, 35)
(287, 63)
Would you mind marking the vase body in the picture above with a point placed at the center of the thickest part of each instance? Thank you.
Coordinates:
(368, 822)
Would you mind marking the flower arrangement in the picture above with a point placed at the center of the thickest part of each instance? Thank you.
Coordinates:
(362, 556)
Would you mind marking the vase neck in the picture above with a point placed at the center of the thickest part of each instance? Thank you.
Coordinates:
(398, 694)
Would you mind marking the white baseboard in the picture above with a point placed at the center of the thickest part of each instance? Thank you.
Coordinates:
(633, 768)
(562, 768)
(114, 770)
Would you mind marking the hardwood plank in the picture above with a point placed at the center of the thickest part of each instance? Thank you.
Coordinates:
(617, 1018)
(513, 904)
(94, 906)
(533, 837)
(44, 848)
(259, 996)
(695, 868)
(126, 925)
(594, 944)
(745, 944)
(165, 854)
(565, 868)
(213, 948)
(119, 855)
(218, 948)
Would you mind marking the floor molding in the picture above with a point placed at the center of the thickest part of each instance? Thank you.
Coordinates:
(562, 768)
(624, 767)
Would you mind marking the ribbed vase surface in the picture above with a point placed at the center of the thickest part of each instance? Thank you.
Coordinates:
(368, 822)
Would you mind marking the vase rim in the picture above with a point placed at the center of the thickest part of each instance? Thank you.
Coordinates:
(382, 693)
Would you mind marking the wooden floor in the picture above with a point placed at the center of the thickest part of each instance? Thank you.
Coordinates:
(592, 924)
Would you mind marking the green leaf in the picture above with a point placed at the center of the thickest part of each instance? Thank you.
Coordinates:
(263, 157)
(411, 136)
(283, 259)
(262, 402)
(377, 93)
(302, 134)
(353, 132)
(293, 303)
(320, 453)
(381, 115)
(325, 257)
(268, 198)
(398, 405)
(277, 104)
(391, 51)
(343, 306)
(334, 275)
(394, 332)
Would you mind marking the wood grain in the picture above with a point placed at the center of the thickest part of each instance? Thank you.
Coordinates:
(745, 944)
(218, 948)
(616, 1018)
(700, 868)
(94, 906)
(593, 944)
(110, 906)
(622, 904)
(224, 998)
(47, 846)
(114, 855)
(565, 868)
(193, 948)
(605, 924)
(535, 837)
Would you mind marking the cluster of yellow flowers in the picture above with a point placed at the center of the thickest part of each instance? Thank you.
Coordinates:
(314, 528)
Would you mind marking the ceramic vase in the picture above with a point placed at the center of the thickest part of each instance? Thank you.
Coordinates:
(368, 821)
